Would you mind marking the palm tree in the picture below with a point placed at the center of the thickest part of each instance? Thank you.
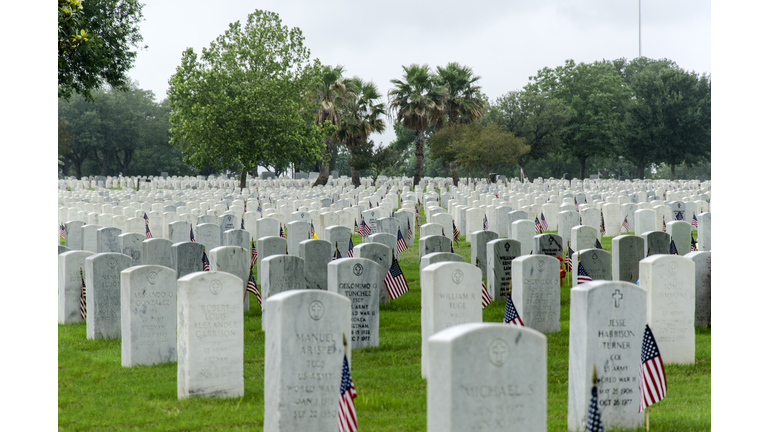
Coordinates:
(463, 100)
(332, 94)
(362, 116)
(417, 103)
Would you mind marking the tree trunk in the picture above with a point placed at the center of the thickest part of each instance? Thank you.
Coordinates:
(640, 173)
(104, 163)
(322, 178)
(419, 141)
(582, 167)
(672, 172)
(65, 167)
(455, 173)
(78, 169)
(243, 174)
(356, 178)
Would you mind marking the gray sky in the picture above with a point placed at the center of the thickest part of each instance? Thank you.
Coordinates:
(504, 42)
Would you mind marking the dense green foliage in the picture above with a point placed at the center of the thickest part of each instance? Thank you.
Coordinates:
(122, 132)
(96, 44)
(246, 99)
(97, 393)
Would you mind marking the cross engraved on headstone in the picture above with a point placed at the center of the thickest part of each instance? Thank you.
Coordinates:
(498, 352)
(617, 296)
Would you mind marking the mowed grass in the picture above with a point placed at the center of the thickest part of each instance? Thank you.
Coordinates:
(97, 393)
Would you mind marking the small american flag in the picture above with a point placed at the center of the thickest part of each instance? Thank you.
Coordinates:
(537, 226)
(258, 208)
(693, 244)
(485, 295)
(597, 244)
(579, 219)
(695, 222)
(282, 233)
(569, 259)
(350, 251)
(337, 254)
(653, 378)
(357, 228)
(347, 414)
(82, 295)
(254, 253)
(242, 223)
(602, 223)
(191, 235)
(583, 276)
(679, 216)
(365, 231)
(663, 224)
(672, 248)
(206, 264)
(455, 232)
(146, 225)
(576, 203)
(485, 223)
(409, 234)
(625, 224)
(418, 222)
(62, 232)
(395, 281)
(510, 312)
(252, 287)
(544, 225)
(594, 424)
(401, 245)
(418, 205)
(311, 230)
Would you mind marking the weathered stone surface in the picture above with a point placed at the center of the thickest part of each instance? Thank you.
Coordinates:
(316, 255)
(157, 251)
(656, 243)
(548, 244)
(469, 362)
(210, 336)
(132, 244)
(452, 291)
(478, 250)
(358, 280)
(102, 294)
(148, 315)
(536, 291)
(266, 247)
(432, 244)
(380, 254)
(607, 323)
(499, 255)
(669, 281)
(626, 253)
(234, 260)
(597, 263)
(703, 312)
(305, 342)
(70, 285)
(186, 258)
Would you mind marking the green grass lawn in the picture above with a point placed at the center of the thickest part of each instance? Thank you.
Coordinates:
(97, 393)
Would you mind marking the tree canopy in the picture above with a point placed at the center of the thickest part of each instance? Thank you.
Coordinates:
(247, 99)
(97, 42)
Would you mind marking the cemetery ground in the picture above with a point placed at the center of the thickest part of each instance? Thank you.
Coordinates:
(97, 393)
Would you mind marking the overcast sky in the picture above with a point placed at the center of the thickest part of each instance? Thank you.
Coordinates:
(504, 42)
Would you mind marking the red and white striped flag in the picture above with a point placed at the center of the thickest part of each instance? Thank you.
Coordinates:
(395, 281)
(625, 224)
(401, 245)
(486, 296)
(82, 295)
(254, 254)
(583, 276)
(252, 287)
(351, 249)
(653, 378)
(347, 395)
